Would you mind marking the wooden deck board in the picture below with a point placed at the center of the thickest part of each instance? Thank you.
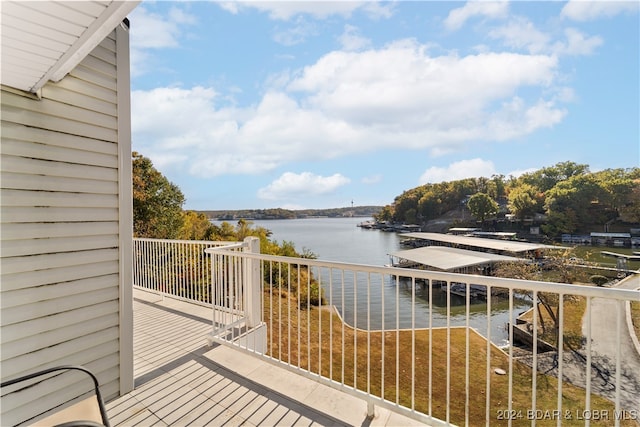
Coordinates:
(180, 381)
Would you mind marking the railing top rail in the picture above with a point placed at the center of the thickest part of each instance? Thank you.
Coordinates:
(496, 282)
(226, 247)
(207, 242)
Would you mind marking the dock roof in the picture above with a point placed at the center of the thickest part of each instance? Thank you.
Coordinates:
(483, 243)
(448, 259)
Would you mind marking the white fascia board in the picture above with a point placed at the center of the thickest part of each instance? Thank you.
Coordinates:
(95, 33)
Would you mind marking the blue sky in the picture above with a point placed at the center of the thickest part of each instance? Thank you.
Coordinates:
(301, 104)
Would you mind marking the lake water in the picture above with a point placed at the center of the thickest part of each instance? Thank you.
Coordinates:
(339, 239)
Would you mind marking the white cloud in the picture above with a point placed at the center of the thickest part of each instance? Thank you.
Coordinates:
(292, 185)
(151, 31)
(577, 43)
(378, 10)
(588, 10)
(397, 97)
(401, 88)
(285, 10)
(489, 9)
(296, 34)
(373, 179)
(473, 168)
(351, 40)
(232, 7)
(520, 33)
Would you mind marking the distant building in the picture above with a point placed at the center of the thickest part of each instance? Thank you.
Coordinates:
(611, 239)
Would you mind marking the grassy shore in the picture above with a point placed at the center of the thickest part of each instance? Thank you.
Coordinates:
(319, 341)
(573, 311)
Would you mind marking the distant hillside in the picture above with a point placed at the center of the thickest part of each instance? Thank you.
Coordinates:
(230, 215)
(562, 199)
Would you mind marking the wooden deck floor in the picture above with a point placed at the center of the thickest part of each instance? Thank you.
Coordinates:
(181, 381)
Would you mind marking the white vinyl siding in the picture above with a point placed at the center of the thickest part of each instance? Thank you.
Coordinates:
(60, 232)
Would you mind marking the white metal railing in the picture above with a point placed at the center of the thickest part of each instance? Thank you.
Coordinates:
(178, 268)
(182, 270)
(426, 343)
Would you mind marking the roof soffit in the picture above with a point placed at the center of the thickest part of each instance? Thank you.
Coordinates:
(45, 40)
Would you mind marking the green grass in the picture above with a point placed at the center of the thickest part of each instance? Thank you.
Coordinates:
(349, 356)
(573, 311)
(594, 254)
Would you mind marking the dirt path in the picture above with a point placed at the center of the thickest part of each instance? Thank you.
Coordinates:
(605, 313)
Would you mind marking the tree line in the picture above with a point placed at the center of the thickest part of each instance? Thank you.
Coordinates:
(571, 197)
(280, 213)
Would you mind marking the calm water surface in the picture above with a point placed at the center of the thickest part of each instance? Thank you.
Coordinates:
(339, 239)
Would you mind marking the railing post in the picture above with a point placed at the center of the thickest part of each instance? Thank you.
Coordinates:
(253, 290)
(371, 410)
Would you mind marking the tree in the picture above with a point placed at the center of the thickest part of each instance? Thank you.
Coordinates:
(546, 178)
(547, 303)
(523, 201)
(430, 205)
(630, 211)
(410, 216)
(386, 214)
(576, 202)
(196, 226)
(408, 201)
(157, 202)
(498, 186)
(482, 206)
(619, 186)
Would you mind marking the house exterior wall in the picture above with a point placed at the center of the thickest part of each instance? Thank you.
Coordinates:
(65, 231)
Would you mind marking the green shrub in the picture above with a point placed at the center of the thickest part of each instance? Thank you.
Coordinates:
(598, 279)
(312, 295)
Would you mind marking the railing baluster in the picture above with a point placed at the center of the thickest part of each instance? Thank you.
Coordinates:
(298, 300)
(271, 309)
(369, 336)
(510, 386)
(430, 379)
(534, 371)
(397, 342)
(467, 368)
(382, 340)
(618, 408)
(587, 399)
(355, 332)
(185, 256)
(343, 326)
(149, 268)
(320, 329)
(289, 315)
(448, 369)
(331, 323)
(487, 414)
(560, 332)
(413, 340)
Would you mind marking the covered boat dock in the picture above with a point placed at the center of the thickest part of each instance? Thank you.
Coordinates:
(451, 260)
(479, 244)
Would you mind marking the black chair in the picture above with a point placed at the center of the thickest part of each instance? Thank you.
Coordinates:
(78, 423)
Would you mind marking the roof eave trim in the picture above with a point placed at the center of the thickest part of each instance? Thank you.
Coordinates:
(95, 33)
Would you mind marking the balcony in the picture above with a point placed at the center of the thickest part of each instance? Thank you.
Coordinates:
(181, 380)
(226, 335)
